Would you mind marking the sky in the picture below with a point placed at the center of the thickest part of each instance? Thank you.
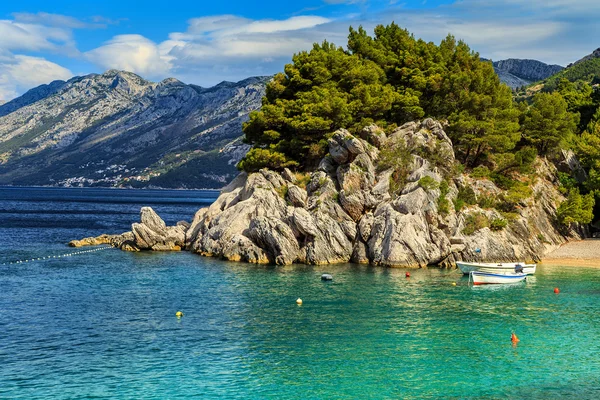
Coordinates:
(206, 42)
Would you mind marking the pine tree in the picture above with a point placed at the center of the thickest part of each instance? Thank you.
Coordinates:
(547, 123)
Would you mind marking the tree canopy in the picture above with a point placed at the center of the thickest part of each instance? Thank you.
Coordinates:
(547, 123)
(390, 78)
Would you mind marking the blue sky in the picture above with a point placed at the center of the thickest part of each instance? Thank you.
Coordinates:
(205, 42)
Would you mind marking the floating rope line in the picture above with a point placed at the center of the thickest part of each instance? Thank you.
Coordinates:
(75, 253)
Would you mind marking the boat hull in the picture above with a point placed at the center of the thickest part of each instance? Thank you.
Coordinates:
(486, 278)
(498, 268)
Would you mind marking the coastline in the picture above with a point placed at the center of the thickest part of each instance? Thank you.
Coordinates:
(103, 187)
(581, 253)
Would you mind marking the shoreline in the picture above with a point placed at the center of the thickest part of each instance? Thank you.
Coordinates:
(581, 253)
(572, 262)
(104, 187)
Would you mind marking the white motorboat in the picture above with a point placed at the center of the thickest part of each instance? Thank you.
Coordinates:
(485, 278)
(499, 268)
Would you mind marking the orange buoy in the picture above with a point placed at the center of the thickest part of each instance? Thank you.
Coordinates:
(556, 290)
(407, 274)
(514, 338)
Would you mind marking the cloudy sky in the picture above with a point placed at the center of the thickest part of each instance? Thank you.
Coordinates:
(205, 42)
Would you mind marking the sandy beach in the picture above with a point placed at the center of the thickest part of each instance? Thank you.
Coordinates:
(583, 253)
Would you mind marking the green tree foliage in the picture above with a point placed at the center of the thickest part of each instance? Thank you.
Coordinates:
(547, 126)
(588, 150)
(428, 183)
(584, 71)
(388, 79)
(519, 161)
(497, 224)
(321, 90)
(450, 82)
(395, 157)
(547, 123)
(576, 208)
(258, 158)
(581, 99)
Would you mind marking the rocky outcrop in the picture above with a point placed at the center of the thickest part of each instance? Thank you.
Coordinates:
(356, 208)
(113, 240)
(153, 234)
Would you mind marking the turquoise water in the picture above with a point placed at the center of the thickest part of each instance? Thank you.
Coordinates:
(103, 325)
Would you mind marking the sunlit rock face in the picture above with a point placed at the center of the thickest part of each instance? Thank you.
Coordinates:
(354, 208)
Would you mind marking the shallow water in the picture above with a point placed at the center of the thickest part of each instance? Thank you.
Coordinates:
(103, 325)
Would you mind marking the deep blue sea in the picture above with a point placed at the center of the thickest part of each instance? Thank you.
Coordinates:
(102, 324)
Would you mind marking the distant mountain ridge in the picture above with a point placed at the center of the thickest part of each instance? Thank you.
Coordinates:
(529, 70)
(586, 69)
(517, 72)
(118, 129)
(594, 54)
(32, 95)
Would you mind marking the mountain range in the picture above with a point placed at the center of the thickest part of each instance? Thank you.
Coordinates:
(117, 129)
(517, 73)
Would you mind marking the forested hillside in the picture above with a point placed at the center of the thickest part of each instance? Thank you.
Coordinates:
(392, 77)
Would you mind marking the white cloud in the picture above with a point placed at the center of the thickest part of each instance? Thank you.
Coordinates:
(56, 20)
(230, 47)
(33, 37)
(290, 24)
(20, 72)
(212, 48)
(133, 53)
(215, 23)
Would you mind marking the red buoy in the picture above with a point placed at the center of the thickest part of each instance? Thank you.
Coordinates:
(556, 290)
(514, 338)
(407, 274)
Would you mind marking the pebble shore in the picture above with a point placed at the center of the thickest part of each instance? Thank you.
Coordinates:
(582, 253)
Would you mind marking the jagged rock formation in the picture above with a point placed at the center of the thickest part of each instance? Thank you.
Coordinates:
(518, 73)
(348, 211)
(509, 79)
(527, 70)
(117, 129)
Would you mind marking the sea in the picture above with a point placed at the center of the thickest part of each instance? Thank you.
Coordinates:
(101, 324)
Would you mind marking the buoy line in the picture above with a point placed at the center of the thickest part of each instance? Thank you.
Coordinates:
(75, 253)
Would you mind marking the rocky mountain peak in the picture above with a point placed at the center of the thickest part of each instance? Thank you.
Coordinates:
(171, 82)
(527, 71)
(117, 128)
